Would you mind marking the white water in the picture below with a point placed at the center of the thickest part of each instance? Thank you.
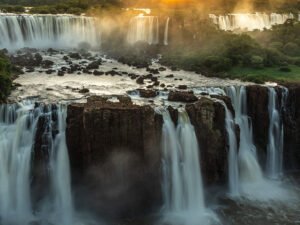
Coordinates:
(166, 35)
(45, 31)
(17, 132)
(276, 135)
(249, 168)
(17, 126)
(143, 28)
(233, 170)
(60, 166)
(249, 21)
(182, 180)
(252, 183)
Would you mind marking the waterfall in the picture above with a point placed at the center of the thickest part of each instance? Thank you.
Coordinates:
(276, 135)
(166, 34)
(249, 168)
(18, 125)
(182, 180)
(45, 31)
(233, 170)
(143, 28)
(249, 21)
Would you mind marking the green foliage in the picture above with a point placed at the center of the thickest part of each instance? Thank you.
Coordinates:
(12, 8)
(218, 63)
(257, 62)
(291, 49)
(5, 79)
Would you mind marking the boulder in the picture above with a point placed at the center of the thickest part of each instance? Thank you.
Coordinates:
(147, 93)
(84, 91)
(140, 80)
(75, 55)
(94, 65)
(98, 73)
(47, 63)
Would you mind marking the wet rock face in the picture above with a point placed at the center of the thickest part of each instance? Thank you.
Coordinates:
(292, 129)
(257, 106)
(182, 96)
(208, 117)
(114, 149)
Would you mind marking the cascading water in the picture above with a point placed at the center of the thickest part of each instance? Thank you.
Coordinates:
(233, 169)
(250, 171)
(276, 135)
(252, 183)
(249, 21)
(182, 180)
(144, 28)
(166, 35)
(18, 124)
(44, 31)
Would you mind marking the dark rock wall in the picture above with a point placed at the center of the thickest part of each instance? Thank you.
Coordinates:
(115, 148)
(208, 117)
(257, 106)
(292, 129)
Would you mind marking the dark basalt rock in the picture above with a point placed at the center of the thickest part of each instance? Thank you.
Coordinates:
(140, 80)
(182, 96)
(50, 71)
(226, 100)
(115, 155)
(112, 73)
(27, 60)
(153, 71)
(60, 73)
(182, 87)
(147, 93)
(98, 73)
(75, 55)
(208, 117)
(170, 76)
(94, 65)
(84, 91)
(257, 106)
(291, 115)
(47, 63)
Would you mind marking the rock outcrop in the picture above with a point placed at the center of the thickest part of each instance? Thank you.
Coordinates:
(114, 147)
(182, 96)
(208, 117)
(292, 129)
(257, 106)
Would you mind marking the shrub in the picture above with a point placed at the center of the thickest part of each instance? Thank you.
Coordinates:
(276, 45)
(285, 69)
(5, 80)
(218, 63)
(291, 49)
(257, 62)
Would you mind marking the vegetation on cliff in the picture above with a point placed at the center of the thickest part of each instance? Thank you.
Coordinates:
(5, 77)
(76, 7)
(271, 55)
